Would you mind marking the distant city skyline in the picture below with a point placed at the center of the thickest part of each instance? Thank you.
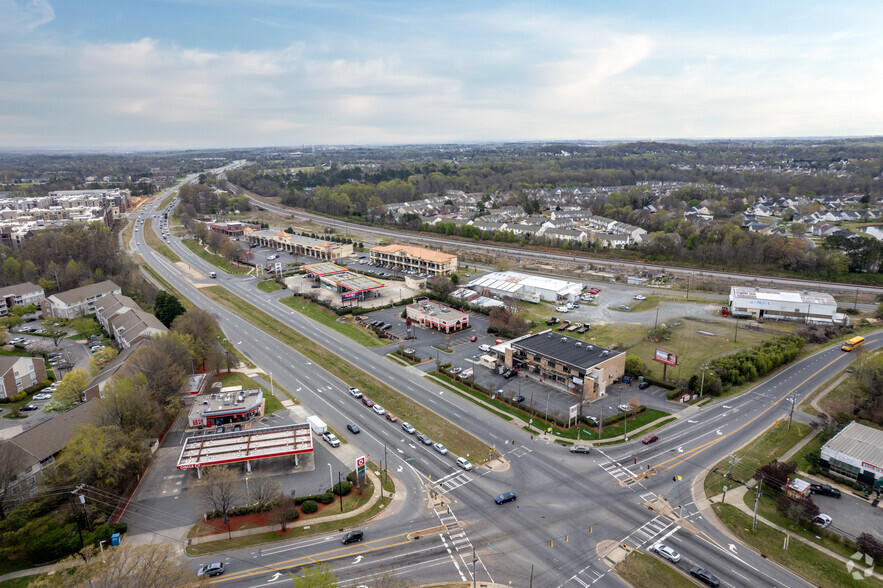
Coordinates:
(249, 73)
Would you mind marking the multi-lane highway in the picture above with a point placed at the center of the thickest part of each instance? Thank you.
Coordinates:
(566, 503)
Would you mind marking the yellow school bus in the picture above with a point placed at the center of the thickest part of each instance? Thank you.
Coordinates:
(853, 343)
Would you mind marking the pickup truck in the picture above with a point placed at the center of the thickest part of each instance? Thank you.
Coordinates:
(824, 490)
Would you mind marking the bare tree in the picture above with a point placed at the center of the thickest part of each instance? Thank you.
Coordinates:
(12, 461)
(155, 565)
(220, 488)
(264, 491)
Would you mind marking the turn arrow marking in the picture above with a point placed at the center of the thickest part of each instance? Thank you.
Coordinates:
(681, 449)
(275, 577)
(732, 548)
(358, 559)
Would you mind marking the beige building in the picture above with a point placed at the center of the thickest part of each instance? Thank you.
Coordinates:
(566, 362)
(411, 257)
(124, 320)
(437, 316)
(299, 245)
(18, 373)
(77, 302)
(20, 295)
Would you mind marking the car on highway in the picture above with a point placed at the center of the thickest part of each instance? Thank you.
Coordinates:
(705, 576)
(331, 439)
(408, 428)
(580, 449)
(352, 537)
(353, 428)
(823, 489)
(505, 497)
(424, 439)
(212, 569)
(440, 448)
(643, 385)
(667, 552)
(821, 520)
(624, 407)
(355, 393)
(378, 409)
(464, 463)
(647, 440)
(391, 417)
(367, 401)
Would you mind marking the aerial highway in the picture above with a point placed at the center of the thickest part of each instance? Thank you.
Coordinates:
(566, 503)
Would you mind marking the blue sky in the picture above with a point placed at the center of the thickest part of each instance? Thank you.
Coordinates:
(241, 73)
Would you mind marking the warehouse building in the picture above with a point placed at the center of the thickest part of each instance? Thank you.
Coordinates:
(805, 307)
(856, 452)
(525, 287)
(579, 367)
(412, 258)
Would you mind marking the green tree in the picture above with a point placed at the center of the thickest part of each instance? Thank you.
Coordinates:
(70, 389)
(316, 576)
(11, 271)
(634, 365)
(55, 333)
(167, 307)
(127, 403)
(103, 456)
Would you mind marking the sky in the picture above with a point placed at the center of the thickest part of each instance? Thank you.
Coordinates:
(172, 74)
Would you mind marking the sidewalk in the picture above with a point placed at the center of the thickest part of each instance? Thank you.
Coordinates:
(736, 497)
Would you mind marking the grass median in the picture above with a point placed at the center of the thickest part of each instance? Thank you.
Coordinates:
(154, 242)
(769, 446)
(425, 420)
(819, 568)
(642, 570)
(269, 286)
(218, 261)
(344, 326)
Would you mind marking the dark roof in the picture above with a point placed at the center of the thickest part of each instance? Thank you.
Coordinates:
(49, 437)
(565, 349)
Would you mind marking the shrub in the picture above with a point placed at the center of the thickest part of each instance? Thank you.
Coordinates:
(612, 420)
(309, 506)
(54, 543)
(342, 488)
(326, 498)
(870, 545)
(672, 394)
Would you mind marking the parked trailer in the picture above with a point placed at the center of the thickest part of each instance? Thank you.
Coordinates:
(317, 425)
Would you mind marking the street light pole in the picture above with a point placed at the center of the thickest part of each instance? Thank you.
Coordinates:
(331, 474)
(272, 392)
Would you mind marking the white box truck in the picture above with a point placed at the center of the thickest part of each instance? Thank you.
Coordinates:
(317, 425)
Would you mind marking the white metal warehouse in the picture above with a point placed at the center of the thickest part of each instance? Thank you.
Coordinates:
(805, 307)
(525, 287)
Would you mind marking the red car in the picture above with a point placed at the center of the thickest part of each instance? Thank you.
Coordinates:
(366, 402)
(473, 338)
(594, 290)
(649, 439)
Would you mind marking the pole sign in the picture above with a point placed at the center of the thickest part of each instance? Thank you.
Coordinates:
(574, 411)
(663, 356)
(360, 467)
(278, 266)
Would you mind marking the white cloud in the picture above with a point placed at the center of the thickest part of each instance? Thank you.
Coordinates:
(23, 16)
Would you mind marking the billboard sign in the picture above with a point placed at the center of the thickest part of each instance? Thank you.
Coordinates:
(574, 411)
(663, 356)
(349, 295)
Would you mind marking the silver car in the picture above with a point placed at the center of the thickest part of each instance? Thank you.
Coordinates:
(667, 552)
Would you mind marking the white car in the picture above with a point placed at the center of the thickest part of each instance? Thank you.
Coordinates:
(43, 396)
(822, 520)
(484, 347)
(464, 463)
(640, 297)
(378, 409)
(667, 552)
(355, 393)
(440, 448)
(625, 408)
(408, 428)
(332, 439)
(562, 309)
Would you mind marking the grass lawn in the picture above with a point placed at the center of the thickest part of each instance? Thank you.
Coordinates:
(802, 559)
(154, 242)
(216, 260)
(649, 304)
(237, 379)
(694, 349)
(330, 319)
(643, 570)
(456, 439)
(774, 442)
(841, 398)
(269, 286)
(128, 231)
(767, 509)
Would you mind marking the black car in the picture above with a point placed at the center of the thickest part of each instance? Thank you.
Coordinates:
(29, 408)
(643, 385)
(518, 398)
(824, 490)
(505, 497)
(353, 428)
(352, 537)
(705, 576)
(509, 374)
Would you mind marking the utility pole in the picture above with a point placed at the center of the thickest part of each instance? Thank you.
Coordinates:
(736, 332)
(702, 385)
(340, 489)
(531, 575)
(474, 559)
(601, 422)
(791, 413)
(757, 494)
